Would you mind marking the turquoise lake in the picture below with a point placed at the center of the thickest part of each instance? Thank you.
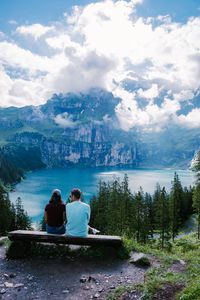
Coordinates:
(35, 190)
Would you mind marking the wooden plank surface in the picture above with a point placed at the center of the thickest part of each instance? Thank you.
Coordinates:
(42, 236)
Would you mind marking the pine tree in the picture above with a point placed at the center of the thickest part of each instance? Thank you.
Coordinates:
(139, 206)
(162, 215)
(196, 166)
(114, 209)
(126, 206)
(42, 224)
(156, 206)
(196, 205)
(196, 193)
(150, 213)
(22, 220)
(99, 207)
(7, 214)
(12, 217)
(187, 208)
(3, 212)
(175, 203)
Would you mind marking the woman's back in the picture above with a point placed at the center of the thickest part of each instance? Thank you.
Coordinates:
(55, 214)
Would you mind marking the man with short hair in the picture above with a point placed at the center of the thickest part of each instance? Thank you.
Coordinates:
(78, 215)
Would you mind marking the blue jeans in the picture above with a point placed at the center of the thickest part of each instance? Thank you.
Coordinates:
(55, 230)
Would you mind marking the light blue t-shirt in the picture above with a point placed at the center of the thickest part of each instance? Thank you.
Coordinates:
(78, 216)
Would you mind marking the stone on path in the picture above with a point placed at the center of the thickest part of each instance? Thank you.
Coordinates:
(139, 259)
(8, 284)
(2, 291)
(6, 276)
(86, 287)
(65, 291)
(17, 285)
(96, 295)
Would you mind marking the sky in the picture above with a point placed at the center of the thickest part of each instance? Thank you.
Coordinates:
(146, 52)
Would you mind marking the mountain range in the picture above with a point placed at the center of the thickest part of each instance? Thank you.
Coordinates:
(83, 130)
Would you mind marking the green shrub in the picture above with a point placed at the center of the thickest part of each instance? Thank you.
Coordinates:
(143, 262)
(192, 292)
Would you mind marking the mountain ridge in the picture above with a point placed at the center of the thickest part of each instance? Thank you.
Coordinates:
(83, 130)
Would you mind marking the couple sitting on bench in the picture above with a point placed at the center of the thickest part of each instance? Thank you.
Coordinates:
(77, 213)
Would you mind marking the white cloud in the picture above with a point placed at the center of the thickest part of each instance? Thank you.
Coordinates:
(106, 45)
(19, 92)
(13, 56)
(12, 22)
(35, 30)
(65, 120)
(191, 120)
(149, 93)
(105, 120)
(2, 35)
(184, 95)
(152, 117)
(82, 73)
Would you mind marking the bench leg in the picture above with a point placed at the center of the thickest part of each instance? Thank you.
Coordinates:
(17, 249)
(105, 251)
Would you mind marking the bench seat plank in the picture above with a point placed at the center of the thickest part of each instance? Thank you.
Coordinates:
(42, 236)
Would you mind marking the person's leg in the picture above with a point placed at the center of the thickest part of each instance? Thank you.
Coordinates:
(60, 230)
(55, 230)
(50, 229)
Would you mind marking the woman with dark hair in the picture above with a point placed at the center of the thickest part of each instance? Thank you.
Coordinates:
(55, 214)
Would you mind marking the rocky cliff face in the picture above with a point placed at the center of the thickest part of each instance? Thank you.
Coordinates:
(88, 146)
(72, 130)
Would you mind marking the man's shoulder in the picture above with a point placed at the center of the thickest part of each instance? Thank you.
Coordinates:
(85, 205)
(78, 203)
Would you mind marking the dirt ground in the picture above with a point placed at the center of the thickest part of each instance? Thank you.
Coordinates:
(66, 278)
(71, 278)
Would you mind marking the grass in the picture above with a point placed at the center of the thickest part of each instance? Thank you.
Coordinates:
(186, 249)
(3, 242)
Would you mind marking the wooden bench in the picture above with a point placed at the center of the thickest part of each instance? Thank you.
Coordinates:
(43, 237)
(22, 239)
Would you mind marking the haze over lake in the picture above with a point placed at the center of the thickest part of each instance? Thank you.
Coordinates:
(35, 190)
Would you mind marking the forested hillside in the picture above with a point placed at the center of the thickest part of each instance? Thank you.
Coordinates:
(116, 211)
(9, 172)
(12, 216)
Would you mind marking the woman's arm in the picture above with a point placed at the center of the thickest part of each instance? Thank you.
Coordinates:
(45, 216)
(64, 216)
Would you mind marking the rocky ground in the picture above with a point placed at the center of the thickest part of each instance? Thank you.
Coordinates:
(66, 278)
(74, 278)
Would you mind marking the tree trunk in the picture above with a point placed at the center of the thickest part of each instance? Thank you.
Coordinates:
(163, 236)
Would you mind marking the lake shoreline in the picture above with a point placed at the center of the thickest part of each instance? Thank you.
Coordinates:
(35, 190)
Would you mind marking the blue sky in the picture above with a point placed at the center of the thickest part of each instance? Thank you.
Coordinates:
(140, 50)
(46, 11)
(35, 11)
(179, 10)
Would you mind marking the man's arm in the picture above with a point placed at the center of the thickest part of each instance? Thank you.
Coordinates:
(88, 213)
